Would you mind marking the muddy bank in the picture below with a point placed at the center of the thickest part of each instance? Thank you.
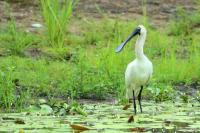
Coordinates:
(159, 11)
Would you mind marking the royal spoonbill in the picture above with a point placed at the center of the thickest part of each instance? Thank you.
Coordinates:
(140, 70)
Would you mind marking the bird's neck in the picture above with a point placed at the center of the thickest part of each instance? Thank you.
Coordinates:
(139, 46)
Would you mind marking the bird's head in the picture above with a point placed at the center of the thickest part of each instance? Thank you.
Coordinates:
(139, 30)
(142, 30)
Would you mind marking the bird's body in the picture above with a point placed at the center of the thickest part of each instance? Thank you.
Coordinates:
(140, 70)
(137, 74)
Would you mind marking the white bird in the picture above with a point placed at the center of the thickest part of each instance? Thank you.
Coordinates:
(139, 71)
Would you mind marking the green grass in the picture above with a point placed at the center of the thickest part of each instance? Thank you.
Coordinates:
(7, 88)
(94, 70)
(15, 40)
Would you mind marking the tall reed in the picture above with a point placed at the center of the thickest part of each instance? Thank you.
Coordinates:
(56, 14)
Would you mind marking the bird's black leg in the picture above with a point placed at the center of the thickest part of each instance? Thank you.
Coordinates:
(134, 104)
(139, 98)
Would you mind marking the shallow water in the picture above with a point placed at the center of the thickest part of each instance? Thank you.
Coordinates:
(157, 117)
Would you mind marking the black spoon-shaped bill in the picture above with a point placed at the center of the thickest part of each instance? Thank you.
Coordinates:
(134, 33)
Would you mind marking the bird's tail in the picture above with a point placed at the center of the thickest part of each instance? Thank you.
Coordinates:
(129, 94)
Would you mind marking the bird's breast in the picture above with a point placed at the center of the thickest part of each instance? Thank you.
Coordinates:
(138, 73)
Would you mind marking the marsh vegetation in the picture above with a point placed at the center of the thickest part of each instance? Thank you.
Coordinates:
(48, 71)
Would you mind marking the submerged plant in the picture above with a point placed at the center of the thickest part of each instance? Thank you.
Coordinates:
(56, 14)
(184, 97)
(162, 93)
(197, 97)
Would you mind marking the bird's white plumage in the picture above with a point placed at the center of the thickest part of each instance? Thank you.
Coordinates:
(140, 70)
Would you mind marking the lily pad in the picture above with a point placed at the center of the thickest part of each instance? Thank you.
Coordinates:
(131, 119)
(156, 117)
(79, 127)
(46, 109)
(19, 121)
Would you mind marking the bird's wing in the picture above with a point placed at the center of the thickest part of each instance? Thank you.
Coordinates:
(147, 82)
